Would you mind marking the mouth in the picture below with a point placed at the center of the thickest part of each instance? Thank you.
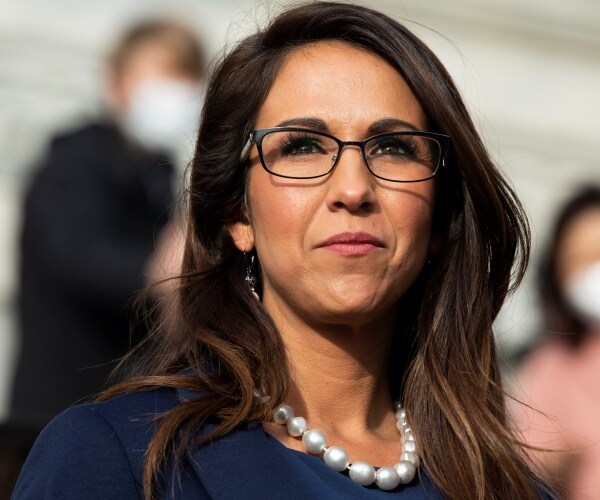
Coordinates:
(352, 244)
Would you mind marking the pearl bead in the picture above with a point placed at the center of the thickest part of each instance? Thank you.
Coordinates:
(405, 470)
(409, 446)
(314, 441)
(296, 426)
(362, 473)
(387, 478)
(282, 414)
(336, 458)
(411, 457)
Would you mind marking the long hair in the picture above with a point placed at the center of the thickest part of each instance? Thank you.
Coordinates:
(559, 316)
(225, 344)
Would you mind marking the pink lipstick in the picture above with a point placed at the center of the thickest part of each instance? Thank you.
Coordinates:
(351, 244)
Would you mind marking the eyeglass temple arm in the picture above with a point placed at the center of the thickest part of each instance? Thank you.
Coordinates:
(246, 148)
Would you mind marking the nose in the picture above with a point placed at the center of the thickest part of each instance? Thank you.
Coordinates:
(351, 185)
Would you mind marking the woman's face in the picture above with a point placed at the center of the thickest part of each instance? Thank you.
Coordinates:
(578, 266)
(381, 230)
(579, 246)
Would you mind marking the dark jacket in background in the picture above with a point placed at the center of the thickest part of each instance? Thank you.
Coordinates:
(91, 217)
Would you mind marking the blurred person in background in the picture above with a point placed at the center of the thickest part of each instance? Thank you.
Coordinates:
(93, 213)
(559, 379)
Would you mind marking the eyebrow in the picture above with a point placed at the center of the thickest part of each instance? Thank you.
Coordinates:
(314, 123)
(389, 125)
(378, 127)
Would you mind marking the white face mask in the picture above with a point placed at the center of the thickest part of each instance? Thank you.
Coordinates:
(163, 114)
(582, 293)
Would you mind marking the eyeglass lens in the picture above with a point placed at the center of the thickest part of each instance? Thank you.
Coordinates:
(303, 154)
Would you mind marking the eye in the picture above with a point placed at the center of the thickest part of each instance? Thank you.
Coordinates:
(391, 146)
(301, 144)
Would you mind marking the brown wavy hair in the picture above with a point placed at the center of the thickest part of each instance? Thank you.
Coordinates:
(443, 363)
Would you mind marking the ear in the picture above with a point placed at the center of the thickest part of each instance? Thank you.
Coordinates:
(243, 236)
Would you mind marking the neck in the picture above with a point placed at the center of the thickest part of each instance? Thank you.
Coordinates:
(340, 373)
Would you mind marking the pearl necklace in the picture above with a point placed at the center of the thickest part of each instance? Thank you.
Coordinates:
(363, 473)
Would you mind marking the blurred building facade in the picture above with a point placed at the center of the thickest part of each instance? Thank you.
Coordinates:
(529, 72)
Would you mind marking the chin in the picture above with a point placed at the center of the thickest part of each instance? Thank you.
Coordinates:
(355, 313)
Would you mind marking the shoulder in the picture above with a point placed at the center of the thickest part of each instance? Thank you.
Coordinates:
(74, 149)
(74, 167)
(84, 134)
(94, 450)
(72, 156)
(545, 365)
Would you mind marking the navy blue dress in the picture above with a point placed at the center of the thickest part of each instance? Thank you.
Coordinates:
(96, 451)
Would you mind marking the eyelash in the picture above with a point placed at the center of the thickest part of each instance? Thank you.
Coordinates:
(291, 141)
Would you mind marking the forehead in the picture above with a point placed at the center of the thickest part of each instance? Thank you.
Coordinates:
(582, 235)
(580, 243)
(343, 84)
(152, 58)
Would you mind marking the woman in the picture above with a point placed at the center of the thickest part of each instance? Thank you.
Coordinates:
(559, 378)
(379, 264)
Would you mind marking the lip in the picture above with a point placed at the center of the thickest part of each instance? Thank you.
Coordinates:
(351, 244)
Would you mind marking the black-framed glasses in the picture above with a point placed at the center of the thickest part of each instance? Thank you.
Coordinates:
(299, 153)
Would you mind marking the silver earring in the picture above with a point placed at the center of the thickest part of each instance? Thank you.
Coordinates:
(250, 279)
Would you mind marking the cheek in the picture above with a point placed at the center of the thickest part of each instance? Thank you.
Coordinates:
(280, 214)
(412, 217)
(413, 246)
(280, 222)
(412, 227)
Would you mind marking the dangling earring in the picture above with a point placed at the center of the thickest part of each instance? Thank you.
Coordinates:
(250, 279)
